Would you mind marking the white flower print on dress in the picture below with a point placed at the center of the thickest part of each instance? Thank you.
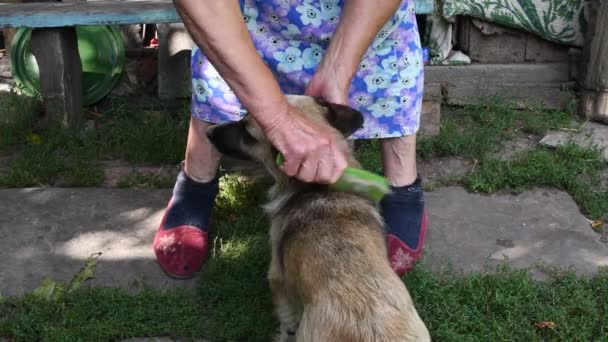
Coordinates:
(372, 128)
(384, 32)
(381, 49)
(217, 82)
(312, 56)
(310, 15)
(261, 30)
(285, 3)
(361, 99)
(366, 67)
(384, 107)
(329, 9)
(394, 90)
(250, 15)
(378, 80)
(390, 64)
(291, 37)
(290, 60)
(291, 32)
(276, 17)
(407, 76)
(201, 89)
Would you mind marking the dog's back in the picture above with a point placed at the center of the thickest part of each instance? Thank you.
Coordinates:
(329, 273)
(333, 255)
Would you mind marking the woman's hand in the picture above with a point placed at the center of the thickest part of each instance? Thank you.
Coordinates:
(310, 149)
(360, 22)
(326, 84)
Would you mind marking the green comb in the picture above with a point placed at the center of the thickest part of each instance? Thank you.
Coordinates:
(361, 182)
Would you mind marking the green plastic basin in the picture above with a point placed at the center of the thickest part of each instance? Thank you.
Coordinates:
(102, 55)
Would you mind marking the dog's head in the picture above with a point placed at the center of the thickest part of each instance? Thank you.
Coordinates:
(245, 139)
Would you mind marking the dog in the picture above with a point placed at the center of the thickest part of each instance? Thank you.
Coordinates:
(329, 274)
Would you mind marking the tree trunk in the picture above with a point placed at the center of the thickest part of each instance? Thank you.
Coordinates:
(594, 96)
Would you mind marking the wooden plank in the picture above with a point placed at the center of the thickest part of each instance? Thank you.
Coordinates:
(56, 51)
(491, 43)
(480, 74)
(540, 50)
(106, 13)
(88, 13)
(594, 99)
(430, 120)
(519, 84)
(174, 58)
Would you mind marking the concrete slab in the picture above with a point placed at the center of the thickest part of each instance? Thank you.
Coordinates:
(590, 133)
(437, 169)
(513, 147)
(472, 231)
(50, 232)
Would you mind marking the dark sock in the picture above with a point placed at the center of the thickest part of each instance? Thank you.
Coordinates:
(192, 203)
(402, 211)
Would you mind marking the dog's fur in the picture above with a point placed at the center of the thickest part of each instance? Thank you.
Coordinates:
(330, 276)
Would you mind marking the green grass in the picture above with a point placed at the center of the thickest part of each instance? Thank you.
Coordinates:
(570, 168)
(16, 117)
(146, 181)
(152, 134)
(475, 131)
(479, 134)
(232, 302)
(102, 314)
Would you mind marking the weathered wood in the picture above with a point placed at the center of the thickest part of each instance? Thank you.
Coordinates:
(485, 42)
(521, 85)
(594, 105)
(594, 95)
(491, 43)
(541, 50)
(430, 120)
(56, 51)
(9, 33)
(174, 58)
(106, 13)
(480, 74)
(87, 13)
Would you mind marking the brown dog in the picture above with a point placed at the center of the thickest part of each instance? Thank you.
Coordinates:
(330, 277)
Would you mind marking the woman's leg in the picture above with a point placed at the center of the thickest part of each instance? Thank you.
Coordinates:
(202, 159)
(181, 241)
(399, 159)
(403, 210)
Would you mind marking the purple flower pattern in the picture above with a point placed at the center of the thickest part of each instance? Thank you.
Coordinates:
(291, 37)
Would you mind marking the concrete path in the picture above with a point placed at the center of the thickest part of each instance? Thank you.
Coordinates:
(50, 233)
(471, 231)
(590, 134)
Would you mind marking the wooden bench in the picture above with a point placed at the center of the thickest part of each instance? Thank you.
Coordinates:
(55, 46)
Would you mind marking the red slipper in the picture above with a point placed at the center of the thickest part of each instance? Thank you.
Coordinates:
(401, 257)
(180, 251)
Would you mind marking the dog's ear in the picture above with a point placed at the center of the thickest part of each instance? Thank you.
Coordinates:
(232, 139)
(343, 118)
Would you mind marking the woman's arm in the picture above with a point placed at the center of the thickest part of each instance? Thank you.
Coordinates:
(360, 22)
(218, 29)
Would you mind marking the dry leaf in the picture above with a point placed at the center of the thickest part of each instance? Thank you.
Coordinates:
(597, 225)
(544, 325)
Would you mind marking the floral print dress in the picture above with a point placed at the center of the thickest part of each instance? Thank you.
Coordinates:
(291, 36)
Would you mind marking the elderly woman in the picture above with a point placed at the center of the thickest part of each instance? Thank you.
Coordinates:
(250, 53)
